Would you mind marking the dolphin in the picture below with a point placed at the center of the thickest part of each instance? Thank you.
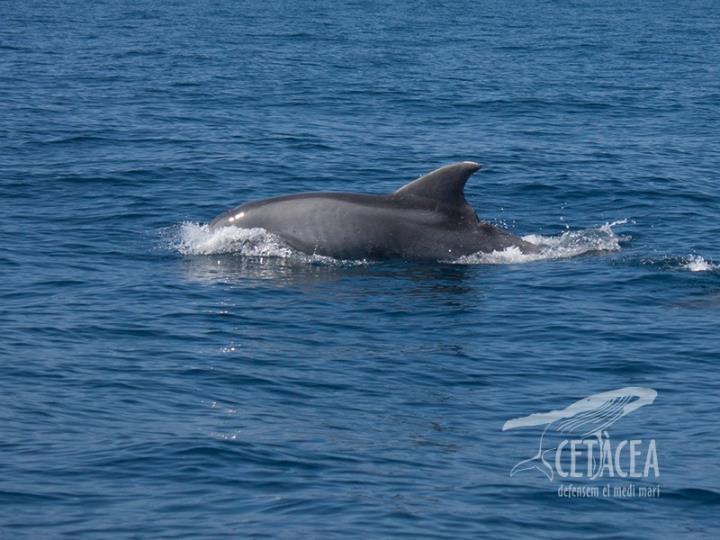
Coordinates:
(426, 219)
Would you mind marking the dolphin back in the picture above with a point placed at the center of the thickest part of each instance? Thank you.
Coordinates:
(426, 219)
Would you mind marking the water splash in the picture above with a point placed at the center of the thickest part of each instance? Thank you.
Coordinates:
(564, 246)
(196, 239)
(695, 263)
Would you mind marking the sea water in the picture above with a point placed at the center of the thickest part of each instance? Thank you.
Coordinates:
(161, 380)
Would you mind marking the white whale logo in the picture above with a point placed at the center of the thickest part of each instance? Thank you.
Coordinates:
(585, 419)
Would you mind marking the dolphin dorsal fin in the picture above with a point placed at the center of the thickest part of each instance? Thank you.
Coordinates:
(445, 184)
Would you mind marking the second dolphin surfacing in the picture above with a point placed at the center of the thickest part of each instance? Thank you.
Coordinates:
(426, 219)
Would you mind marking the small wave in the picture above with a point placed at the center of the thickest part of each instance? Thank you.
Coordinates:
(564, 246)
(695, 263)
(695, 495)
(690, 263)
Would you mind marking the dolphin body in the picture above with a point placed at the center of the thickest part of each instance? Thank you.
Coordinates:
(427, 219)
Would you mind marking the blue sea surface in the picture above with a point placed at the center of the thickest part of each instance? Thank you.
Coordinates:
(161, 380)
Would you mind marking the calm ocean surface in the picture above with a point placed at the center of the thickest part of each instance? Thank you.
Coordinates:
(162, 381)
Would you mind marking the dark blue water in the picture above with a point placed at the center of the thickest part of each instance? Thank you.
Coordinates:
(159, 380)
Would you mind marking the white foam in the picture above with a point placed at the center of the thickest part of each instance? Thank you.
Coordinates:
(695, 263)
(196, 239)
(562, 246)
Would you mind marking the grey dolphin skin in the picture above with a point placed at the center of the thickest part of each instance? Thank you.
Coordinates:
(427, 219)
